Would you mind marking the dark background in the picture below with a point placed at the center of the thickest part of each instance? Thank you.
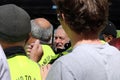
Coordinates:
(44, 8)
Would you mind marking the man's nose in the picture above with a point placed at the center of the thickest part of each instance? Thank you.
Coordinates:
(58, 40)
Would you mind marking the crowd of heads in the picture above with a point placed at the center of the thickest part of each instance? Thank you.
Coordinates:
(80, 21)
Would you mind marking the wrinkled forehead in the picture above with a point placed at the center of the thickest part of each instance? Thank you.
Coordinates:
(60, 32)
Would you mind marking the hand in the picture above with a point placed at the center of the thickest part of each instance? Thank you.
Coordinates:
(35, 50)
(44, 71)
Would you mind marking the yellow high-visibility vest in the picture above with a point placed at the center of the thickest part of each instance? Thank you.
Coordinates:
(67, 51)
(22, 68)
(48, 54)
(102, 41)
(118, 33)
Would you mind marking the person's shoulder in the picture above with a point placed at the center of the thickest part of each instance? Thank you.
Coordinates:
(111, 48)
(47, 49)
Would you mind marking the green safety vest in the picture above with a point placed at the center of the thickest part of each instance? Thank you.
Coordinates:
(118, 33)
(60, 54)
(48, 54)
(22, 68)
(102, 41)
(67, 51)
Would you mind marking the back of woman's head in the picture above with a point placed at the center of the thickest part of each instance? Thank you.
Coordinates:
(84, 15)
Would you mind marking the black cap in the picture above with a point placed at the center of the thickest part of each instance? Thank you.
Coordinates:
(110, 29)
(14, 23)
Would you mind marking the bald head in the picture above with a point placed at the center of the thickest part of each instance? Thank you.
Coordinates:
(42, 29)
(43, 23)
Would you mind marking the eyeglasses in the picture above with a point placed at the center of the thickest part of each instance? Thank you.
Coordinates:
(58, 17)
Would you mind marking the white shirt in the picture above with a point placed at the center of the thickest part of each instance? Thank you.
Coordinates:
(4, 69)
(88, 62)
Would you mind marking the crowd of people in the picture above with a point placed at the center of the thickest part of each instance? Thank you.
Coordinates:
(85, 46)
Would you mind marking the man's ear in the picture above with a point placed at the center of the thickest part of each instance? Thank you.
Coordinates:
(107, 38)
(110, 37)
